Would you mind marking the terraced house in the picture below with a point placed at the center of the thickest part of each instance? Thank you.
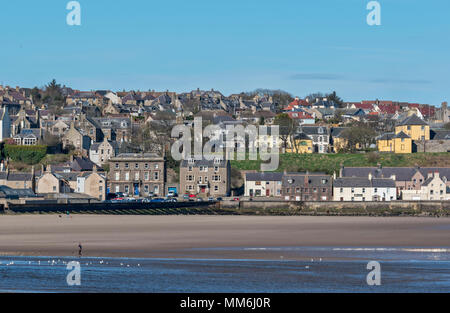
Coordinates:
(263, 184)
(364, 189)
(307, 187)
(406, 178)
(137, 175)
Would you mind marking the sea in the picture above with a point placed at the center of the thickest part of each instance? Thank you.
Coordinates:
(327, 269)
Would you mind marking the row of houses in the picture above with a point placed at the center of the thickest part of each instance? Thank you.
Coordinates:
(77, 178)
(353, 184)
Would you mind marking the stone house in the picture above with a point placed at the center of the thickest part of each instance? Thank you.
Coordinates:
(137, 174)
(92, 184)
(320, 136)
(307, 187)
(205, 177)
(101, 152)
(77, 138)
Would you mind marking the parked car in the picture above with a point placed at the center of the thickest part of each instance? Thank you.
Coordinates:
(157, 200)
(171, 200)
(235, 199)
(185, 197)
(211, 199)
(199, 199)
(219, 199)
(172, 194)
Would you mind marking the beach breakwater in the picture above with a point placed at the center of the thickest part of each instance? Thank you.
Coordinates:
(255, 207)
(394, 208)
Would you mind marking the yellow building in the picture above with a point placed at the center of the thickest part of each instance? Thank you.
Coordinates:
(409, 129)
(414, 127)
(302, 144)
(396, 143)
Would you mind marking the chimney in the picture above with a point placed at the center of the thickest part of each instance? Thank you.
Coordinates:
(49, 168)
(17, 88)
(94, 168)
(71, 158)
(2, 166)
(32, 172)
(334, 175)
(394, 177)
(430, 174)
(370, 176)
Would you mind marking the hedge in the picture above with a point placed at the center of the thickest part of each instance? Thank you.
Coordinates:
(26, 154)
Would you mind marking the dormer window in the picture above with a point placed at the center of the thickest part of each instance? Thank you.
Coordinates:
(191, 161)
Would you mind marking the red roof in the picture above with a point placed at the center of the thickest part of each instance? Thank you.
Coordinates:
(389, 109)
(300, 115)
(427, 111)
(364, 106)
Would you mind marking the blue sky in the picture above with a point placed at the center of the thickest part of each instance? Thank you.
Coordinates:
(296, 45)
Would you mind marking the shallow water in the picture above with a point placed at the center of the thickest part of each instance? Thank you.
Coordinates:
(332, 269)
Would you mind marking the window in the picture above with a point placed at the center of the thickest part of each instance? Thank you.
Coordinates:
(117, 176)
(136, 166)
(127, 188)
(146, 188)
(216, 188)
(127, 165)
(146, 166)
(146, 176)
(136, 176)
(117, 188)
(258, 183)
(117, 165)
(127, 176)
(156, 175)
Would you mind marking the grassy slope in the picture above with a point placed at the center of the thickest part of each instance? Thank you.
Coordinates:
(329, 163)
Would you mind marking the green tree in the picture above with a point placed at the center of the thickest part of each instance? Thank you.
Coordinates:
(286, 125)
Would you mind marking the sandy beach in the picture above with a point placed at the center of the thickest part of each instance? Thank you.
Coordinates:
(195, 236)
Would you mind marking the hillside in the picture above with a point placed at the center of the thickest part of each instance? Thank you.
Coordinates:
(330, 163)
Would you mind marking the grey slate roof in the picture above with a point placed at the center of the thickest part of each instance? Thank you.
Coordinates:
(359, 182)
(401, 135)
(10, 193)
(266, 176)
(401, 173)
(204, 162)
(412, 120)
(306, 180)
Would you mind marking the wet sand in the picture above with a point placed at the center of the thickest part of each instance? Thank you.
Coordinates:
(205, 236)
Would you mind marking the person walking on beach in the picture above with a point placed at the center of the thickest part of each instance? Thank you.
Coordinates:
(80, 249)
